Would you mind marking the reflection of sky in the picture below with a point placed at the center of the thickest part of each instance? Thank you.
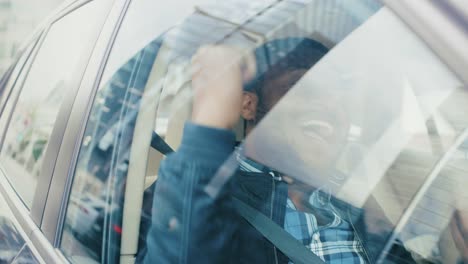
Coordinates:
(32, 10)
(321, 15)
(236, 11)
(137, 32)
(21, 19)
(61, 52)
(406, 105)
(390, 102)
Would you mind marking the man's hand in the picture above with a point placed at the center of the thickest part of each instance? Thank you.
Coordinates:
(217, 79)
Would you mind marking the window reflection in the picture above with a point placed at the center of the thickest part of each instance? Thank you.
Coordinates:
(434, 227)
(371, 140)
(11, 241)
(93, 224)
(44, 89)
(25, 257)
(353, 139)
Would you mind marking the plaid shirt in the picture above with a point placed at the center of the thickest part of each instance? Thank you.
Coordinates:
(334, 242)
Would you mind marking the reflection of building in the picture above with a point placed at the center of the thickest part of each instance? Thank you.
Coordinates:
(18, 19)
(109, 130)
(5, 17)
(32, 127)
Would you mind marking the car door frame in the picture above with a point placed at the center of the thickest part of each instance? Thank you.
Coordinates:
(30, 221)
(22, 219)
(18, 80)
(63, 173)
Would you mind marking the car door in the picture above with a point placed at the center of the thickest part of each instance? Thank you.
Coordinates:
(38, 107)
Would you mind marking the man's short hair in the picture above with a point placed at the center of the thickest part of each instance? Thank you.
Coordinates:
(276, 57)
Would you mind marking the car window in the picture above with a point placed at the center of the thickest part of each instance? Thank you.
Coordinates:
(144, 100)
(13, 239)
(56, 65)
(346, 147)
(361, 139)
(12, 80)
(10, 75)
(104, 170)
(25, 256)
(433, 227)
(93, 221)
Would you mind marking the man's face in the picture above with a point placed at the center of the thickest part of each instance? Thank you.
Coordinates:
(274, 89)
(312, 121)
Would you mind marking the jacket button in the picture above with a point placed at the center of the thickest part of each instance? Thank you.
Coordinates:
(173, 224)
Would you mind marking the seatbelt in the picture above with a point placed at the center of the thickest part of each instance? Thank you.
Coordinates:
(286, 243)
(160, 145)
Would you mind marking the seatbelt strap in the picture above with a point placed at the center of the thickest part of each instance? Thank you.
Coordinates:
(291, 247)
(160, 145)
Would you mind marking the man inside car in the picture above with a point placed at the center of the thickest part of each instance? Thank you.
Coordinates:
(190, 226)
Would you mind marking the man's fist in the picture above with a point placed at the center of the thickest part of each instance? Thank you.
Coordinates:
(218, 74)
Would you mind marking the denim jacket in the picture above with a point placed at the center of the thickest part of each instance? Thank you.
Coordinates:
(188, 226)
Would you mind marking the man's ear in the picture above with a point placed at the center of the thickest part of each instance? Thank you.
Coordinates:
(249, 106)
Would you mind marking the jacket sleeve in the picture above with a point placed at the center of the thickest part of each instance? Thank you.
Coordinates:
(188, 226)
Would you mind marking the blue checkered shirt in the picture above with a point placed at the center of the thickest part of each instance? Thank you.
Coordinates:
(335, 242)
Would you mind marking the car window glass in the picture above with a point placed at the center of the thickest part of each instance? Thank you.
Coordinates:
(164, 82)
(355, 139)
(348, 143)
(42, 94)
(359, 135)
(15, 71)
(311, 20)
(135, 33)
(11, 241)
(8, 90)
(25, 256)
(432, 229)
(102, 170)
(93, 220)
